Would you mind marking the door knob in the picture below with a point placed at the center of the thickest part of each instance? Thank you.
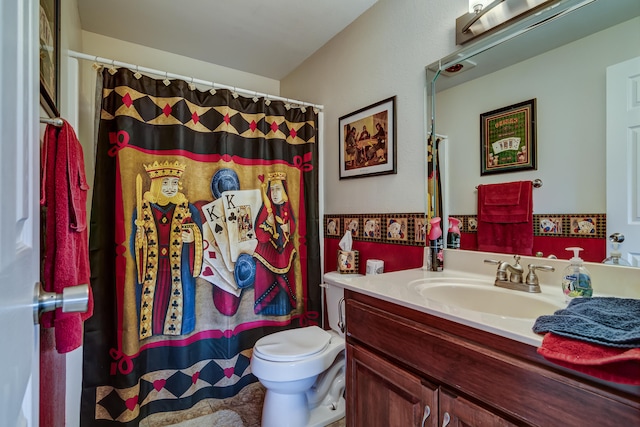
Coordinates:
(617, 237)
(73, 299)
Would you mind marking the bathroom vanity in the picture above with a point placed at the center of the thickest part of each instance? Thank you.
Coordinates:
(404, 365)
(414, 362)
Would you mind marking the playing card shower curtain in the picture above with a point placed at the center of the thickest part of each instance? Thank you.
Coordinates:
(204, 238)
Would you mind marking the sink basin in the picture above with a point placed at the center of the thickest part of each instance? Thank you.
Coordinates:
(486, 299)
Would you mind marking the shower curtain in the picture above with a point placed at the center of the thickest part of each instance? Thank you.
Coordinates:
(204, 238)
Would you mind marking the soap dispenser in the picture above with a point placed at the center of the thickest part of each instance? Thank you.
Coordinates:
(576, 280)
(453, 234)
(616, 256)
(435, 244)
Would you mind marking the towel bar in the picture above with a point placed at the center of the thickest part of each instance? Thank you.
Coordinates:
(57, 121)
(537, 183)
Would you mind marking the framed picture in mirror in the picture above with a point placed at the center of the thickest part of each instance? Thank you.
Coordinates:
(368, 141)
(508, 138)
(49, 55)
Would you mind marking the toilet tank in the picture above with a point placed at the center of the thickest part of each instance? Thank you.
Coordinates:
(333, 294)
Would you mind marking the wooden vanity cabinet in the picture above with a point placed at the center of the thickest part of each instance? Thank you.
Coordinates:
(386, 395)
(403, 364)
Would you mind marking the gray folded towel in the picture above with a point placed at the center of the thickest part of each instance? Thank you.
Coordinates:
(613, 322)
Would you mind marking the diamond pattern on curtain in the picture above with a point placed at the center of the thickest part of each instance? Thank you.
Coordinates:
(204, 238)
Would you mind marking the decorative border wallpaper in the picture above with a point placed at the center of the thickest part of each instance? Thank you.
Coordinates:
(408, 228)
(402, 228)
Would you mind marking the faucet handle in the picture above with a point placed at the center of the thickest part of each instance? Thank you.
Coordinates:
(532, 278)
(501, 274)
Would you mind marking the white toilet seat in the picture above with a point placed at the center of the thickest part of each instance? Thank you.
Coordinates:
(303, 366)
(293, 344)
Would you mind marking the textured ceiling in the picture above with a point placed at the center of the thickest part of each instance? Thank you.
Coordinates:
(269, 38)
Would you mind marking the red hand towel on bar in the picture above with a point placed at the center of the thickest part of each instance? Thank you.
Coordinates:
(505, 217)
(66, 252)
(620, 365)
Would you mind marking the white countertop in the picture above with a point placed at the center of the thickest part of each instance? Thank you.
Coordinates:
(408, 288)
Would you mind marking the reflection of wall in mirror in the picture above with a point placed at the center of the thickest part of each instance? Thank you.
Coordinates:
(569, 84)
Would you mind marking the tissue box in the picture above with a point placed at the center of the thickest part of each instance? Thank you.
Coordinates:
(348, 261)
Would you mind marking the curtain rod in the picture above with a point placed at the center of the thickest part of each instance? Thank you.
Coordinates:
(189, 79)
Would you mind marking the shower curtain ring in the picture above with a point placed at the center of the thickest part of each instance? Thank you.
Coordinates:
(192, 85)
(234, 93)
(287, 105)
(166, 80)
(255, 97)
(96, 65)
(137, 74)
(112, 69)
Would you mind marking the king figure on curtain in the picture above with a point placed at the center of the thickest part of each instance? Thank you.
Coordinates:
(167, 252)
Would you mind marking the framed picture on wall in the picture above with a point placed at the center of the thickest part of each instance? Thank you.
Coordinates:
(368, 141)
(508, 139)
(49, 55)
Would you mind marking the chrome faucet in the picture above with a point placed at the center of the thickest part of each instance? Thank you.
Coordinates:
(515, 274)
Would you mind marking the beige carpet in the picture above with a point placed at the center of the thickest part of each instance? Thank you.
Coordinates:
(242, 410)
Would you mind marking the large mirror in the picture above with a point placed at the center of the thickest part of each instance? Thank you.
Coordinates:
(558, 57)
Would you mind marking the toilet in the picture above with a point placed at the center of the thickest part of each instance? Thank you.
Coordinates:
(303, 369)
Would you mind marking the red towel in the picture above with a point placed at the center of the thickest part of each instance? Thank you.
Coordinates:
(505, 217)
(66, 251)
(620, 365)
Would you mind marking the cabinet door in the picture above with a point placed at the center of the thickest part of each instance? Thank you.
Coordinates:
(382, 394)
(456, 411)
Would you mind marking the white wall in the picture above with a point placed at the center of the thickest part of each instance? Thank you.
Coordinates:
(382, 54)
(68, 107)
(569, 86)
(385, 52)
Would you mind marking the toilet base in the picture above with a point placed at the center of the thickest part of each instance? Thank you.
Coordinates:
(297, 412)
(323, 415)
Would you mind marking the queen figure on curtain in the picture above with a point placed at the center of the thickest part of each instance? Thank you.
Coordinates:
(275, 288)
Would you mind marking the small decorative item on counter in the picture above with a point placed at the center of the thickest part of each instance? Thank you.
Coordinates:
(435, 244)
(576, 280)
(348, 259)
(375, 266)
(615, 258)
(453, 234)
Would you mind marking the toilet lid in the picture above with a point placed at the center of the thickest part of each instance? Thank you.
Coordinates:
(292, 344)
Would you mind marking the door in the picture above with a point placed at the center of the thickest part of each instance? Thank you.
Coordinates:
(623, 157)
(19, 216)
(382, 394)
(456, 411)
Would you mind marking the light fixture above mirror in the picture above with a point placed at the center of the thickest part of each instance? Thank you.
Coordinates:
(476, 6)
(487, 16)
